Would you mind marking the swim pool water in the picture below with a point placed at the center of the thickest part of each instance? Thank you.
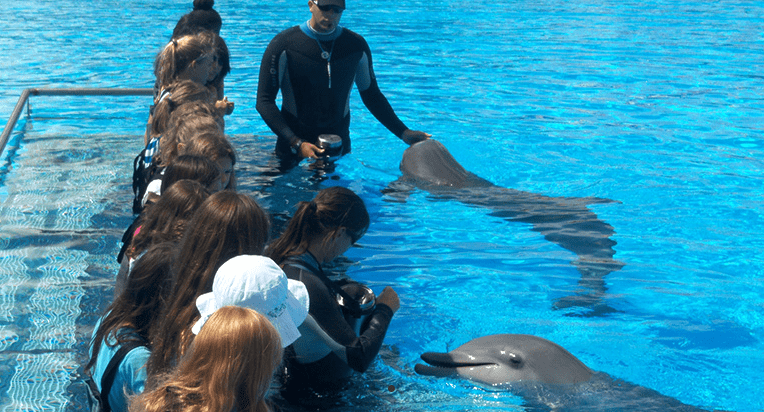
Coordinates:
(654, 104)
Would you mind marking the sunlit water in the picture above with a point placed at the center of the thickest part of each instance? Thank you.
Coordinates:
(656, 105)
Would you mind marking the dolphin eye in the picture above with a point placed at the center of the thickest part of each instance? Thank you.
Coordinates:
(515, 360)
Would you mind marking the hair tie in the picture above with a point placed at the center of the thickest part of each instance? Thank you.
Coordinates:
(166, 94)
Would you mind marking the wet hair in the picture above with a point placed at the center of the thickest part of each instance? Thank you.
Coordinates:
(188, 121)
(165, 219)
(133, 314)
(197, 168)
(229, 366)
(332, 209)
(178, 54)
(180, 93)
(227, 224)
(202, 17)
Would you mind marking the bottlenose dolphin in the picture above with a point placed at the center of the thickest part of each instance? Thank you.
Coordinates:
(502, 359)
(545, 375)
(566, 221)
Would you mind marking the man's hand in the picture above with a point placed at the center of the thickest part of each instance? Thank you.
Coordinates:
(414, 136)
(310, 150)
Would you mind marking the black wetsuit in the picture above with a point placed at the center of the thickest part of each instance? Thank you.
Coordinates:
(360, 351)
(313, 102)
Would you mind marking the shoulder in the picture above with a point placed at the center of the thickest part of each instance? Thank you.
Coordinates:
(350, 34)
(352, 37)
(133, 368)
(286, 35)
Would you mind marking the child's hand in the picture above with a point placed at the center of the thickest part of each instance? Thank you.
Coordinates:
(224, 107)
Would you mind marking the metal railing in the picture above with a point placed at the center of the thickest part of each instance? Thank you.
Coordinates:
(23, 99)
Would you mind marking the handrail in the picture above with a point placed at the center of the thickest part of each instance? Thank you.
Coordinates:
(63, 92)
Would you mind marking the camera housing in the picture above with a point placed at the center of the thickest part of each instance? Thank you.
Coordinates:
(332, 145)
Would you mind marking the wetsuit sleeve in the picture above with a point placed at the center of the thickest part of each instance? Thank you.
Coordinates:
(272, 70)
(360, 350)
(373, 98)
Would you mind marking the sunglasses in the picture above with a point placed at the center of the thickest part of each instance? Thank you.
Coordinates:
(356, 236)
(336, 9)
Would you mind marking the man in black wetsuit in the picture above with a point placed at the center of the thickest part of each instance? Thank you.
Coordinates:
(315, 65)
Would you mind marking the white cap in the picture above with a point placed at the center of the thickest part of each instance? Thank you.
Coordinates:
(256, 282)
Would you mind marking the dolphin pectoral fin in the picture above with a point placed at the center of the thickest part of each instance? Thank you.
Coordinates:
(398, 191)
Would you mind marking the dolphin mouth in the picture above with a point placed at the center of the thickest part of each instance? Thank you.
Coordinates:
(444, 364)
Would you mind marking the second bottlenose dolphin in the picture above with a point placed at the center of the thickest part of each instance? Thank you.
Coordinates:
(566, 221)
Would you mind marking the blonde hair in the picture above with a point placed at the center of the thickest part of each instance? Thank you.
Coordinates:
(230, 366)
(180, 93)
(187, 121)
(178, 54)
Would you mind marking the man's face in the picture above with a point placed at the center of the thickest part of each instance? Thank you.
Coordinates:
(325, 18)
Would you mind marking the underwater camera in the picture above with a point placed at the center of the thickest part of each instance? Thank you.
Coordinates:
(332, 145)
(358, 303)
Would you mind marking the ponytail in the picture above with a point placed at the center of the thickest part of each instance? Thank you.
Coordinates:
(332, 209)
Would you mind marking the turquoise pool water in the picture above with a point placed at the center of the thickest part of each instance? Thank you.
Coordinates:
(655, 104)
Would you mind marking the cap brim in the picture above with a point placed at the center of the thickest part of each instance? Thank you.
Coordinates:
(286, 323)
(207, 306)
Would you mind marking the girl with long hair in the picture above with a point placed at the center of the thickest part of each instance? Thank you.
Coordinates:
(228, 367)
(205, 18)
(173, 96)
(227, 224)
(190, 57)
(161, 221)
(131, 318)
(216, 147)
(330, 347)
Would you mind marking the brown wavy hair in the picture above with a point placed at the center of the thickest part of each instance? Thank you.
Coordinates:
(165, 220)
(214, 146)
(229, 366)
(187, 121)
(180, 93)
(133, 314)
(227, 224)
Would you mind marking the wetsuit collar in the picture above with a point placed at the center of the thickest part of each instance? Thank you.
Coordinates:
(308, 30)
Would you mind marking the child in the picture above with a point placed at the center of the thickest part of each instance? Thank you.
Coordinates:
(226, 225)
(320, 231)
(205, 18)
(149, 164)
(173, 212)
(229, 367)
(256, 282)
(129, 320)
(194, 57)
(163, 220)
(187, 121)
(191, 167)
(173, 96)
(217, 148)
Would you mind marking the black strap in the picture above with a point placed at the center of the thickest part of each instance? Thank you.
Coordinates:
(107, 380)
(334, 287)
